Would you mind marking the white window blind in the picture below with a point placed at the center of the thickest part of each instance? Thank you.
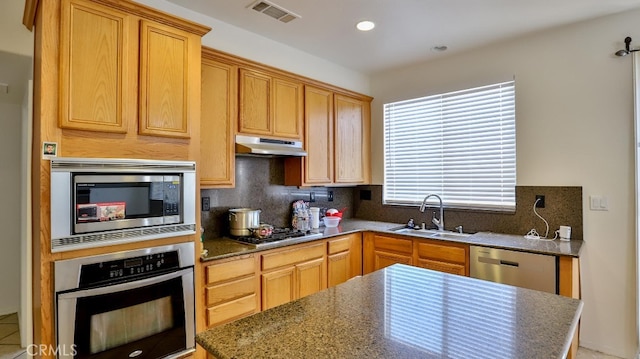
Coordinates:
(459, 145)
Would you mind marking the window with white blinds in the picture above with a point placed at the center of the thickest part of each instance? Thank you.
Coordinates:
(460, 145)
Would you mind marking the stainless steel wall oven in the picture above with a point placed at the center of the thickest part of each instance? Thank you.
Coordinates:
(131, 304)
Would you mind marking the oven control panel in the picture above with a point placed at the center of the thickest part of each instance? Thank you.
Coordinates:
(126, 268)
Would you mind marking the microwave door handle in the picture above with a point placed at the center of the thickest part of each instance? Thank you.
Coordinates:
(125, 286)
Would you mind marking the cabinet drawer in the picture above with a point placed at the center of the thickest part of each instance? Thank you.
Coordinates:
(221, 272)
(442, 266)
(393, 244)
(339, 245)
(288, 257)
(227, 291)
(235, 309)
(447, 253)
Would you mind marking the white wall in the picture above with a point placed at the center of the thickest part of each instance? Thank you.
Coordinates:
(25, 314)
(239, 42)
(574, 125)
(14, 37)
(10, 210)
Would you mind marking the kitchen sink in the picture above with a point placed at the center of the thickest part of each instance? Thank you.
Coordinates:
(430, 233)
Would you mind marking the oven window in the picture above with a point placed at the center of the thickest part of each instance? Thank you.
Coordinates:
(126, 325)
(150, 319)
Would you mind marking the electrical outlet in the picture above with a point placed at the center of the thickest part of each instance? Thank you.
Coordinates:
(330, 196)
(206, 204)
(312, 197)
(540, 201)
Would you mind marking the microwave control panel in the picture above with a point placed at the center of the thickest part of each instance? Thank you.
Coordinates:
(171, 198)
(117, 270)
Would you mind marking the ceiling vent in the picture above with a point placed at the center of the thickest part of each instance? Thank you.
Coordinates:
(273, 11)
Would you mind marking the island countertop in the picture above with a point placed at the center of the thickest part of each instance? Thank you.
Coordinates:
(405, 312)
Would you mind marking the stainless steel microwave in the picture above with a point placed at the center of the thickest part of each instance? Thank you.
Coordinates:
(98, 202)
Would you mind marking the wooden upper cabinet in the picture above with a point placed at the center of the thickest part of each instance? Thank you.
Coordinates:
(217, 123)
(94, 50)
(255, 90)
(123, 66)
(269, 105)
(318, 138)
(164, 81)
(337, 140)
(287, 108)
(352, 140)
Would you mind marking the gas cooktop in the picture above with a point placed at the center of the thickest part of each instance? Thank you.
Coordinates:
(279, 235)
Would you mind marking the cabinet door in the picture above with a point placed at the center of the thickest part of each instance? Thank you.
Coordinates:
(164, 81)
(351, 140)
(94, 81)
(278, 287)
(339, 268)
(310, 277)
(287, 108)
(254, 117)
(318, 139)
(217, 125)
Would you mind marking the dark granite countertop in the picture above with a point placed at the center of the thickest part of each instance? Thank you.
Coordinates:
(405, 312)
(219, 248)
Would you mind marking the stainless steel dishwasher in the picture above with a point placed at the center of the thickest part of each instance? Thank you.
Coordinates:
(521, 269)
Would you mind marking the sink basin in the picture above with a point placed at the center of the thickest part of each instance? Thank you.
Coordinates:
(430, 233)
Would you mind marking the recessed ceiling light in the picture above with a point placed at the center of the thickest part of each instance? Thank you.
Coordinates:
(365, 25)
(439, 48)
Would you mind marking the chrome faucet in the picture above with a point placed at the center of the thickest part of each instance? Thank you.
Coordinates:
(437, 221)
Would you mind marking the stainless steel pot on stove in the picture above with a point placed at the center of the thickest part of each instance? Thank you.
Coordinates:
(243, 220)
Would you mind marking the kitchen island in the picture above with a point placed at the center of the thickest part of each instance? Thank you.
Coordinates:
(405, 312)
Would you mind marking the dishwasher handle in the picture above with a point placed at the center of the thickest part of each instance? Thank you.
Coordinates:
(509, 263)
(496, 261)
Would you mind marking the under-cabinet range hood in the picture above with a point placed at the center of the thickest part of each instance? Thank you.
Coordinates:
(258, 146)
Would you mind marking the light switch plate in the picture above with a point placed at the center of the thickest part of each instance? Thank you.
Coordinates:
(599, 203)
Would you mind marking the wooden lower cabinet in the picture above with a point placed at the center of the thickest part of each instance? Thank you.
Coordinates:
(240, 286)
(382, 251)
(442, 256)
(344, 258)
(278, 287)
(231, 289)
(289, 274)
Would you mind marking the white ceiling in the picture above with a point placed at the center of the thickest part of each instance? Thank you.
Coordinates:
(406, 30)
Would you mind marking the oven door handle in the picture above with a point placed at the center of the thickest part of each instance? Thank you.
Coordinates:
(125, 286)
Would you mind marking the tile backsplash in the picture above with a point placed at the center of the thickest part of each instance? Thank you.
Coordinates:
(260, 185)
(563, 207)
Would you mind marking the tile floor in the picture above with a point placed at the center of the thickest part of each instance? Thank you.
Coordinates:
(10, 337)
(10, 342)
